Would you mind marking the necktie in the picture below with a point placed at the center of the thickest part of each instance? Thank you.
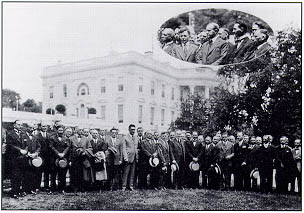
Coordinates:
(210, 44)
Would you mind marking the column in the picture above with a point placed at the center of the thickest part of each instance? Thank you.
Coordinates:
(191, 89)
(206, 92)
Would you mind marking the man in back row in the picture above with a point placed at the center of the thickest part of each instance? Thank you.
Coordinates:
(216, 49)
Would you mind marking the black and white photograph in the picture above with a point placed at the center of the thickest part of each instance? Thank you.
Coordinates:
(159, 106)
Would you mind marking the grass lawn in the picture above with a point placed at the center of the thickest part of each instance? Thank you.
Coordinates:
(200, 199)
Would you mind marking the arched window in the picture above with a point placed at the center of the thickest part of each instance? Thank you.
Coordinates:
(83, 89)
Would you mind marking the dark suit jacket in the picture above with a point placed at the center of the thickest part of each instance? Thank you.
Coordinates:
(240, 53)
(166, 154)
(146, 150)
(14, 145)
(82, 144)
(101, 145)
(178, 150)
(257, 52)
(265, 157)
(62, 146)
(240, 154)
(210, 156)
(214, 54)
(188, 56)
(45, 145)
(193, 151)
(284, 156)
(225, 150)
(129, 148)
(33, 145)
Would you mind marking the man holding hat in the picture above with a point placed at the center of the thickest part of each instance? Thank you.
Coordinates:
(178, 150)
(147, 149)
(129, 151)
(166, 158)
(209, 161)
(225, 159)
(43, 138)
(114, 160)
(60, 147)
(194, 152)
(285, 165)
(240, 163)
(265, 157)
(32, 173)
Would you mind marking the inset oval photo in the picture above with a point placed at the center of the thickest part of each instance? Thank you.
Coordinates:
(215, 37)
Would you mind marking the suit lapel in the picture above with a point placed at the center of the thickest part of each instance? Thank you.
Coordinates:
(189, 52)
(214, 45)
(180, 51)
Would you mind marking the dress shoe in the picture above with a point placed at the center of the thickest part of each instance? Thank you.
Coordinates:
(123, 189)
(32, 192)
(22, 194)
(131, 188)
(14, 196)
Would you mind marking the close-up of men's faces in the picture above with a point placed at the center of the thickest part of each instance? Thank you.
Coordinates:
(216, 37)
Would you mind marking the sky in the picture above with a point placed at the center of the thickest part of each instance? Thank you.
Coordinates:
(36, 35)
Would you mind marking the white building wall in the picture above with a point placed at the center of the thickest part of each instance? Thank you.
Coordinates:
(131, 70)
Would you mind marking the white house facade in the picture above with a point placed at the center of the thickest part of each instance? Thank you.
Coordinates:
(123, 89)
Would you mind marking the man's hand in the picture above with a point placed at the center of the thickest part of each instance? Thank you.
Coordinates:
(154, 154)
(119, 162)
(61, 155)
(22, 151)
(195, 159)
(173, 161)
(244, 164)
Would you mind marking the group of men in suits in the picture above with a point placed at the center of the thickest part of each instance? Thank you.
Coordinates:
(147, 160)
(213, 47)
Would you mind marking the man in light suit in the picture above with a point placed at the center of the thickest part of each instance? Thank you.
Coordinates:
(114, 160)
(186, 50)
(225, 159)
(130, 156)
(214, 50)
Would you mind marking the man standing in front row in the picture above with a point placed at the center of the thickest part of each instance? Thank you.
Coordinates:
(129, 150)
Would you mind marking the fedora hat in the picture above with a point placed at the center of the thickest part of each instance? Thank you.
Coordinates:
(255, 174)
(154, 161)
(36, 162)
(194, 166)
(61, 162)
(217, 169)
(174, 167)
